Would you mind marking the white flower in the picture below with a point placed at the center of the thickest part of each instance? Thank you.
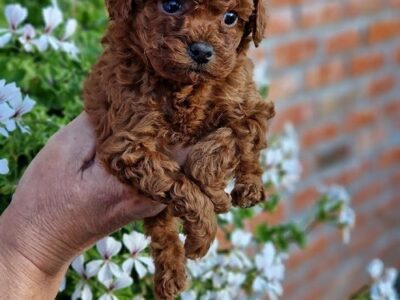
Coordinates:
(383, 286)
(108, 247)
(273, 157)
(27, 37)
(70, 48)
(46, 40)
(82, 289)
(113, 285)
(291, 173)
(383, 290)
(236, 279)
(8, 92)
(4, 167)
(271, 176)
(5, 39)
(227, 217)
(136, 242)
(189, 295)
(375, 268)
(15, 15)
(70, 29)
(346, 221)
(335, 194)
(241, 238)
(63, 285)
(231, 185)
(290, 141)
(5, 114)
(53, 17)
(271, 272)
(20, 107)
(260, 74)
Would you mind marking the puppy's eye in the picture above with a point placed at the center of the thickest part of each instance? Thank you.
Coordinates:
(172, 7)
(230, 18)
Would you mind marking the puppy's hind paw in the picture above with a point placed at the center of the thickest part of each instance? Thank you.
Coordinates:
(170, 282)
(247, 195)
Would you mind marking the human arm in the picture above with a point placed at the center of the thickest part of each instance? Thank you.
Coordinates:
(63, 204)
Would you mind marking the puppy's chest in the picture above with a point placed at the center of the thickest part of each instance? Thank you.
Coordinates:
(188, 122)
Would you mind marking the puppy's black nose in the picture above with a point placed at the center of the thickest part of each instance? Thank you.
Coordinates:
(201, 53)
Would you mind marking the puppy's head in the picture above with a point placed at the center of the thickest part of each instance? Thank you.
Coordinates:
(191, 40)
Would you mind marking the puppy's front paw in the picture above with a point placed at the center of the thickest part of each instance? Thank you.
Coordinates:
(247, 195)
(196, 248)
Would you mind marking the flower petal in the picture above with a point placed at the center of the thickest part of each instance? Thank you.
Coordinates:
(93, 267)
(122, 282)
(140, 269)
(52, 17)
(77, 265)
(105, 275)
(127, 265)
(375, 268)
(5, 39)
(15, 15)
(70, 28)
(4, 167)
(86, 293)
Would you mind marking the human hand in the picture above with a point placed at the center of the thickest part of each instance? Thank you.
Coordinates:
(64, 203)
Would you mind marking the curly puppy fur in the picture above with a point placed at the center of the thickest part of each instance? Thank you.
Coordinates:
(146, 96)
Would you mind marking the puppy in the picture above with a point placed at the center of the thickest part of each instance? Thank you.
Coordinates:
(174, 74)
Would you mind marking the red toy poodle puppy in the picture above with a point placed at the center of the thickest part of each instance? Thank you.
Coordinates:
(174, 74)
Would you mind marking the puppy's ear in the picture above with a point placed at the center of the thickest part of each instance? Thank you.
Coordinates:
(259, 20)
(119, 9)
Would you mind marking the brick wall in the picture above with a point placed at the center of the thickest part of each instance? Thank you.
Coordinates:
(334, 71)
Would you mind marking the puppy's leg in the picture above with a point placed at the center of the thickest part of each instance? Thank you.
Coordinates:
(168, 254)
(135, 160)
(210, 164)
(249, 189)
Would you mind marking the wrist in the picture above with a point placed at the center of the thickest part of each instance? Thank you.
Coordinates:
(22, 279)
(28, 267)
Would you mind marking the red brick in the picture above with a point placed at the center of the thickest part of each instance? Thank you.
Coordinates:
(391, 109)
(343, 41)
(390, 157)
(361, 7)
(394, 3)
(319, 134)
(369, 140)
(320, 14)
(381, 85)
(315, 247)
(305, 199)
(287, 2)
(297, 114)
(295, 52)
(274, 218)
(365, 236)
(366, 63)
(397, 56)
(333, 103)
(383, 30)
(368, 192)
(283, 86)
(281, 21)
(347, 177)
(325, 74)
(359, 119)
